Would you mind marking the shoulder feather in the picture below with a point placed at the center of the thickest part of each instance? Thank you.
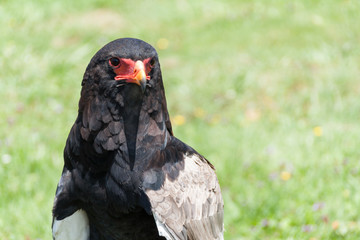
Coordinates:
(188, 204)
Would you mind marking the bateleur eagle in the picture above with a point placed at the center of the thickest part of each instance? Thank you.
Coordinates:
(125, 175)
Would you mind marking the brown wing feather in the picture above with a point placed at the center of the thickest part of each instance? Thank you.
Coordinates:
(191, 206)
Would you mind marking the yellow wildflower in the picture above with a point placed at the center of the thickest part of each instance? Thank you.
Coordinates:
(285, 175)
(162, 43)
(199, 112)
(317, 131)
(335, 225)
(179, 120)
(215, 119)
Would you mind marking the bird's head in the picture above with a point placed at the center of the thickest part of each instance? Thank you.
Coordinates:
(123, 83)
(122, 101)
(122, 62)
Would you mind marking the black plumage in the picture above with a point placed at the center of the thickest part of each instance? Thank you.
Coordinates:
(122, 165)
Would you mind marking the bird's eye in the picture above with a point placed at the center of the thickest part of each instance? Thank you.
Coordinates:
(152, 62)
(115, 62)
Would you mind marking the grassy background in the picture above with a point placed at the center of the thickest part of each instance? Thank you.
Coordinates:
(268, 91)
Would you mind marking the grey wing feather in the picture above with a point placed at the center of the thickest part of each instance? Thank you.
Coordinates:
(191, 206)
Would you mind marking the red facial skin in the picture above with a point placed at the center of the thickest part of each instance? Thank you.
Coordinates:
(129, 70)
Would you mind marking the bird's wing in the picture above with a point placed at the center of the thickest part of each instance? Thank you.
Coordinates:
(69, 222)
(185, 195)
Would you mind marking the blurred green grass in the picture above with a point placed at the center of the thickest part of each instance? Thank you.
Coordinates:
(266, 90)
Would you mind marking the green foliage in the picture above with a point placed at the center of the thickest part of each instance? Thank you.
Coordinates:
(266, 90)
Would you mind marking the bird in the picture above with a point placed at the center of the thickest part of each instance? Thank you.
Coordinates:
(125, 174)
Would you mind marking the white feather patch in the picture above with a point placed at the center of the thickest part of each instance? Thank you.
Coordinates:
(74, 227)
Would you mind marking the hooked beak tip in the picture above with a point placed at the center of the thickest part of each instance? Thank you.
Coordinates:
(141, 79)
(143, 84)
